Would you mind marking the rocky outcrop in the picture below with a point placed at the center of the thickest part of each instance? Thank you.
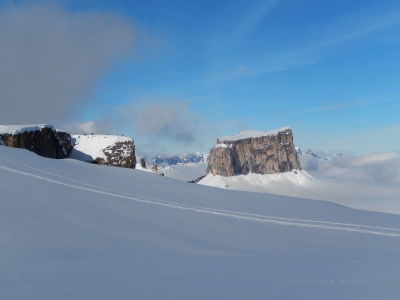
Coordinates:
(46, 141)
(41, 139)
(65, 139)
(121, 154)
(110, 150)
(254, 152)
(197, 180)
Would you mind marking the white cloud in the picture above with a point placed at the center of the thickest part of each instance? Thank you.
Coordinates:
(382, 168)
(166, 120)
(96, 127)
(332, 106)
(50, 59)
(369, 181)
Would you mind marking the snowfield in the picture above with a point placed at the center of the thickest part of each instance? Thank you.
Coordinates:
(72, 230)
(185, 172)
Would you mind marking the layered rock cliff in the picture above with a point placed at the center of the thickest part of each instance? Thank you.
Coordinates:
(111, 150)
(254, 152)
(46, 141)
(66, 139)
(41, 139)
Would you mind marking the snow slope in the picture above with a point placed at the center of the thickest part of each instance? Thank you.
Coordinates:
(72, 230)
(246, 182)
(185, 172)
(89, 147)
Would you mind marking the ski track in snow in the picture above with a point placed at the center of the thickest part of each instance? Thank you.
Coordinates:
(390, 232)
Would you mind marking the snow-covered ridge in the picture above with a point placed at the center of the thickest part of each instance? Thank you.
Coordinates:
(197, 157)
(90, 147)
(252, 134)
(326, 155)
(221, 146)
(17, 129)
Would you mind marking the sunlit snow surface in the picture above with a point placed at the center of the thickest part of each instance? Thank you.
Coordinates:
(241, 182)
(252, 134)
(72, 230)
(185, 172)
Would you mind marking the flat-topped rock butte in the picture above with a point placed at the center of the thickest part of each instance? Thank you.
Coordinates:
(257, 152)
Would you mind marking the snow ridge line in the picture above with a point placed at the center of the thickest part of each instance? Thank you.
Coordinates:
(236, 215)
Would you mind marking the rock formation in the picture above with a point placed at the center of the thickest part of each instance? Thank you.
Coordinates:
(41, 139)
(256, 152)
(46, 141)
(65, 139)
(121, 154)
(143, 163)
(110, 150)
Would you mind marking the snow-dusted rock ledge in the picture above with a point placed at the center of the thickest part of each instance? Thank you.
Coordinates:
(41, 139)
(111, 150)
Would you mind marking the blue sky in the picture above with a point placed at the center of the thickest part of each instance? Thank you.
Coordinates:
(202, 69)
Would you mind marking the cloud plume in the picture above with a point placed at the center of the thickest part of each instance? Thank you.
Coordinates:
(171, 121)
(51, 59)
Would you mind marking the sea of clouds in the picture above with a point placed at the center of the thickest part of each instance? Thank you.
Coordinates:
(370, 182)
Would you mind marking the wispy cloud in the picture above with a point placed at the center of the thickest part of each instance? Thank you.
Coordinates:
(256, 16)
(266, 65)
(364, 26)
(202, 98)
(351, 28)
(332, 106)
(237, 72)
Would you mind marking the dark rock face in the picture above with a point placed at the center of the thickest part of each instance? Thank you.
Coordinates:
(197, 180)
(142, 163)
(121, 154)
(261, 155)
(65, 139)
(43, 142)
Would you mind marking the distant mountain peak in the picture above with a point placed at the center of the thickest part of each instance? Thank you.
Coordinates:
(327, 155)
(196, 157)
